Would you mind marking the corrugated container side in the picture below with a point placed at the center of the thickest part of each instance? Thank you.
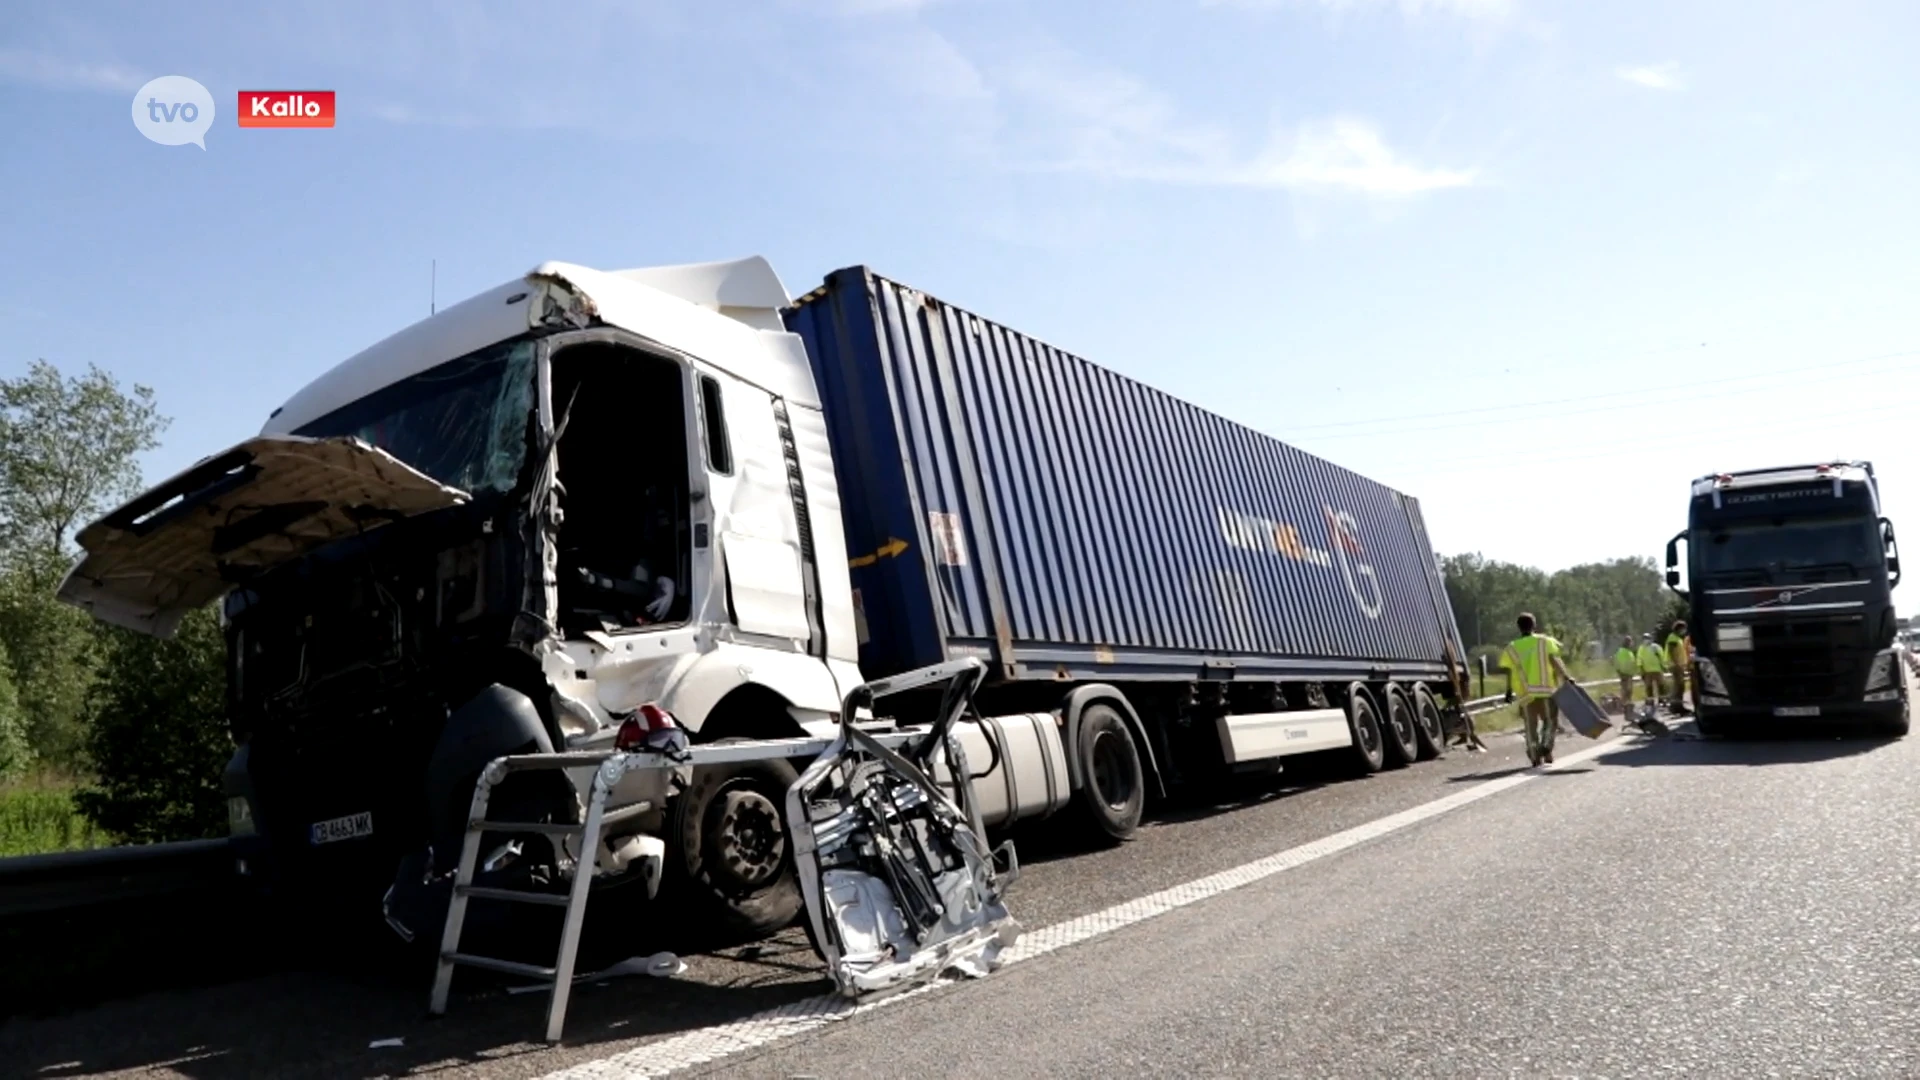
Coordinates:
(1073, 522)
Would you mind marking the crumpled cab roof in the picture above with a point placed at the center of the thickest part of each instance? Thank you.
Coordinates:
(724, 313)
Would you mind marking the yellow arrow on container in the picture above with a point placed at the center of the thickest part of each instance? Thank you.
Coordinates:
(888, 550)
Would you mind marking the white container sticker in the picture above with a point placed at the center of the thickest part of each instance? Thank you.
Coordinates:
(949, 545)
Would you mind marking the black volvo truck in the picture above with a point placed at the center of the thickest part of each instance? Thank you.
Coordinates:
(1790, 575)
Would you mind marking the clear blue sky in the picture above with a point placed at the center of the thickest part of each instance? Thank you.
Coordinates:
(1536, 263)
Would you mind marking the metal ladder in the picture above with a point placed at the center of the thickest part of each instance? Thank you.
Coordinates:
(609, 766)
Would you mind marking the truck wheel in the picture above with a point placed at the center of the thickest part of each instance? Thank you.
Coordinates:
(1113, 788)
(1369, 750)
(1708, 726)
(1428, 725)
(1899, 726)
(1401, 731)
(733, 862)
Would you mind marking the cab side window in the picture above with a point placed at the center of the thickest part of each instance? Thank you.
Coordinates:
(713, 418)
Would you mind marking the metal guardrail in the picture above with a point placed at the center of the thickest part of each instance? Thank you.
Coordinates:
(1480, 705)
(66, 879)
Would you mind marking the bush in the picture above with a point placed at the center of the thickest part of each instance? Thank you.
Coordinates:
(37, 818)
(15, 755)
(52, 652)
(158, 737)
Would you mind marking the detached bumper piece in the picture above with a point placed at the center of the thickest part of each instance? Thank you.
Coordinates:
(898, 882)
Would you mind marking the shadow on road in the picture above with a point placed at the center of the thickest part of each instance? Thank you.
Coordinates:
(1769, 748)
(320, 1022)
(1039, 842)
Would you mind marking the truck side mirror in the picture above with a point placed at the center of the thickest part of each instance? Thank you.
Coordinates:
(1893, 553)
(1673, 564)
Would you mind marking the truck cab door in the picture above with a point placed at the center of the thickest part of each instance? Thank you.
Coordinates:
(754, 516)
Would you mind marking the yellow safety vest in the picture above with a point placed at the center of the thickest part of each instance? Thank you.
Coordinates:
(1652, 660)
(1526, 661)
(1626, 662)
(1676, 651)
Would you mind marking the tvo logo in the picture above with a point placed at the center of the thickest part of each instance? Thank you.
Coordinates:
(174, 110)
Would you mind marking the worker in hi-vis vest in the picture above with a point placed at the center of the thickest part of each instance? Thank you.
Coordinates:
(1679, 659)
(1626, 664)
(1531, 661)
(1653, 664)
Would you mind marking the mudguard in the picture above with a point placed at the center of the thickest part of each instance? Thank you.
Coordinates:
(1077, 702)
(498, 721)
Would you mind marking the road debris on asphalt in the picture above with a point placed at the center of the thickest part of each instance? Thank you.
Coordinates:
(661, 965)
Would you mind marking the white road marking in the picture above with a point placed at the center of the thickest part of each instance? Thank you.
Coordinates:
(709, 1044)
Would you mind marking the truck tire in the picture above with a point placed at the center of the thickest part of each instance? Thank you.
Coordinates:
(1899, 726)
(1113, 790)
(1401, 729)
(1363, 720)
(1428, 724)
(730, 861)
(1708, 726)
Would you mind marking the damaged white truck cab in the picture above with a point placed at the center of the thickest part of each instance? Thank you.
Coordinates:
(504, 529)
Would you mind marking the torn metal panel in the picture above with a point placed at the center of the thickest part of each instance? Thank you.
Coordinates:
(898, 882)
(255, 506)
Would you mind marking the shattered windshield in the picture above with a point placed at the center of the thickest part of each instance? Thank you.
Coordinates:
(1782, 546)
(463, 423)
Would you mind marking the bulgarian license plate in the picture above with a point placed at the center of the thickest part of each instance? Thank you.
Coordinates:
(351, 827)
(1797, 710)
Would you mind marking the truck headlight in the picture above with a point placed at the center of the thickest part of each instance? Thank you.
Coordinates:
(1710, 680)
(1880, 674)
(240, 816)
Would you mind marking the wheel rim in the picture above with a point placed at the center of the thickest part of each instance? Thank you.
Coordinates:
(1403, 725)
(748, 843)
(1429, 718)
(1112, 770)
(1369, 726)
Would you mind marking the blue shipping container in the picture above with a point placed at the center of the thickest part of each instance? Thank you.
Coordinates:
(1007, 500)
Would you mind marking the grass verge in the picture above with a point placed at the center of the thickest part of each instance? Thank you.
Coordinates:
(1507, 717)
(37, 816)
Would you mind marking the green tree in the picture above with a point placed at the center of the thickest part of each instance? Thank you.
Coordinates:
(1579, 605)
(52, 650)
(158, 738)
(15, 754)
(1678, 610)
(68, 450)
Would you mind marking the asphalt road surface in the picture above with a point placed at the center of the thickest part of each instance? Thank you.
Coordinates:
(1647, 907)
